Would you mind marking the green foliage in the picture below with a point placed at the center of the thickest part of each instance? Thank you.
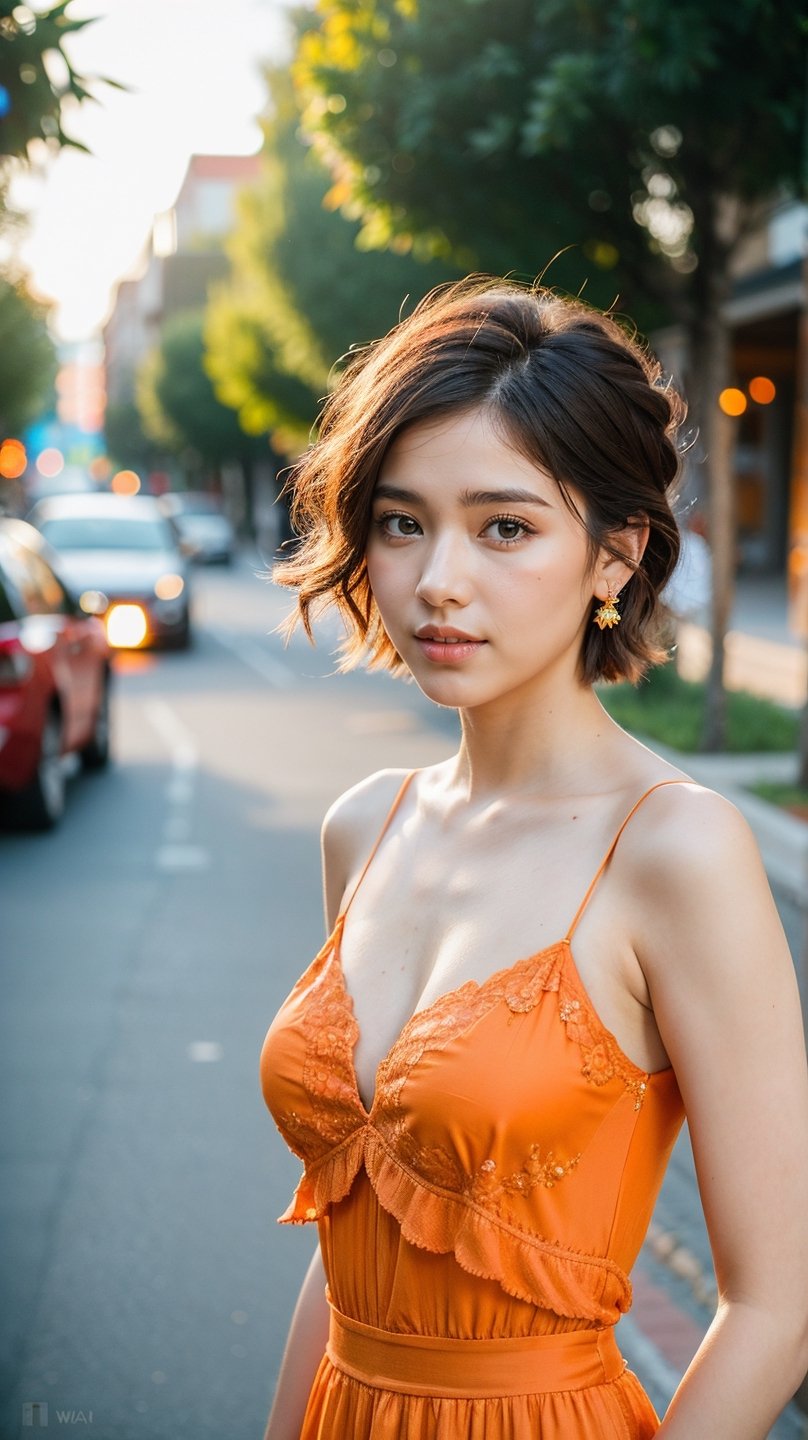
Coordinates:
(301, 292)
(27, 359)
(177, 402)
(503, 133)
(666, 708)
(126, 441)
(789, 797)
(39, 77)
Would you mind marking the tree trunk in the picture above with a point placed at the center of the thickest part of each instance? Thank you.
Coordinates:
(248, 482)
(802, 778)
(723, 532)
(712, 373)
(799, 510)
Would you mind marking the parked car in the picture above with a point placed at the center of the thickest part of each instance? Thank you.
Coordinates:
(54, 680)
(122, 557)
(203, 526)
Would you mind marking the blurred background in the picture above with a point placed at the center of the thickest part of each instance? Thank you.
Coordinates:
(202, 209)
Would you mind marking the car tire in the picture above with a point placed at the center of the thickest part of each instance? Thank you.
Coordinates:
(41, 804)
(95, 754)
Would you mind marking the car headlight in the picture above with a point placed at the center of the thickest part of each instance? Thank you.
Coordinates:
(169, 587)
(126, 626)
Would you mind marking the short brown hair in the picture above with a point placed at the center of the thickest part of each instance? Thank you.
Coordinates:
(569, 389)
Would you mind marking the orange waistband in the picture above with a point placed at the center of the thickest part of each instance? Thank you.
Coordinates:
(429, 1365)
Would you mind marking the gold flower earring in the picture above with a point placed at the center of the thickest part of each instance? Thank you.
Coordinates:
(607, 615)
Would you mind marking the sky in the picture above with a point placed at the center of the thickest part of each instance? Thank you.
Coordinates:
(193, 72)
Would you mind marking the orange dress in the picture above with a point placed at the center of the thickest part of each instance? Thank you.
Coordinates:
(478, 1224)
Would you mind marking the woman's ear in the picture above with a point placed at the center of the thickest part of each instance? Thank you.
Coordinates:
(611, 574)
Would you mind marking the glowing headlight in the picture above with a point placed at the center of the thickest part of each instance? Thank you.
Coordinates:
(168, 587)
(126, 626)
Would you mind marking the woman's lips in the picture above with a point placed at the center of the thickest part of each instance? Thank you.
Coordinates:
(448, 651)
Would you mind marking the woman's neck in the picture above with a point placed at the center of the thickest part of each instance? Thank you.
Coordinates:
(556, 745)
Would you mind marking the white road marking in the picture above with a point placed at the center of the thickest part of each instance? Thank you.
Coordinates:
(176, 852)
(258, 659)
(176, 735)
(182, 857)
(205, 1050)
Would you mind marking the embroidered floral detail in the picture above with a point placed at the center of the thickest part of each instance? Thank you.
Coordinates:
(602, 1058)
(487, 1188)
(597, 1065)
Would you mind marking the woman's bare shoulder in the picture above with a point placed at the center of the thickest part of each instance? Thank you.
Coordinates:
(693, 871)
(683, 830)
(350, 828)
(354, 820)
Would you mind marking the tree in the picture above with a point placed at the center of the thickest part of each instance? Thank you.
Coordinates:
(502, 134)
(180, 410)
(38, 78)
(301, 293)
(27, 359)
(37, 83)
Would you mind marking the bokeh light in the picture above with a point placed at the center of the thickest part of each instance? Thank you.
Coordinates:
(732, 401)
(100, 467)
(93, 602)
(13, 459)
(125, 482)
(50, 463)
(762, 390)
(168, 587)
(126, 625)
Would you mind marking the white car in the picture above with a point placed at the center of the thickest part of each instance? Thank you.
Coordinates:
(122, 558)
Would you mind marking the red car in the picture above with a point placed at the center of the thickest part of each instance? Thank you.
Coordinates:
(54, 680)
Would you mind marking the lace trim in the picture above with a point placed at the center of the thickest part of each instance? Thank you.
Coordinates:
(526, 1266)
(520, 987)
(337, 1113)
(330, 1032)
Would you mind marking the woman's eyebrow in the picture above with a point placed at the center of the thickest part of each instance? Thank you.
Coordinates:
(468, 498)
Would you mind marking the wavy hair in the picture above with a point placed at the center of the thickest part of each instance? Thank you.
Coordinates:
(566, 386)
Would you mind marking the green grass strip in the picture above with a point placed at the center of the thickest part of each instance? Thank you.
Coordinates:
(790, 797)
(666, 708)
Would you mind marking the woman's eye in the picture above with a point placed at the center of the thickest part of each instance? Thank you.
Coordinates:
(398, 526)
(507, 529)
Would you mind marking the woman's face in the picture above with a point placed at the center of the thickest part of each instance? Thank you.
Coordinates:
(480, 570)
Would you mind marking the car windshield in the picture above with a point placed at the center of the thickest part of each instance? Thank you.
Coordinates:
(100, 532)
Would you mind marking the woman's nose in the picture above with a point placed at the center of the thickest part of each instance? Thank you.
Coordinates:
(445, 576)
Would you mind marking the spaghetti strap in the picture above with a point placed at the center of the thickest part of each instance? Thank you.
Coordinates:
(607, 857)
(391, 812)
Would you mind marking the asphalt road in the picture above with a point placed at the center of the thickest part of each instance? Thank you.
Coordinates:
(146, 946)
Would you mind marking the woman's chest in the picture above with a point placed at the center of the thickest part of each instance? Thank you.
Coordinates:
(401, 959)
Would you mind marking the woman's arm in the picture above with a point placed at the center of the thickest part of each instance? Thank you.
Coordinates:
(726, 1002)
(305, 1347)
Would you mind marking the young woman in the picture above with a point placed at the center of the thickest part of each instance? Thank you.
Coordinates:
(543, 952)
